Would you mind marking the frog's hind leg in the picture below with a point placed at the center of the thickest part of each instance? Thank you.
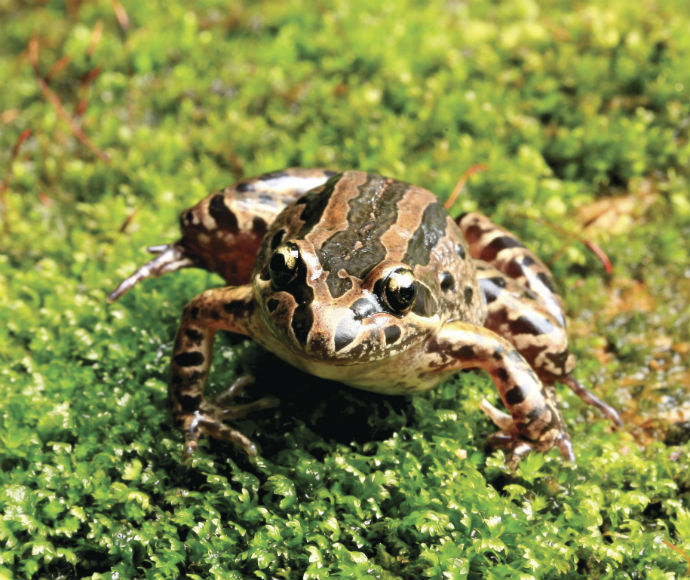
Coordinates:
(535, 421)
(523, 306)
(495, 245)
(232, 309)
(223, 231)
(516, 313)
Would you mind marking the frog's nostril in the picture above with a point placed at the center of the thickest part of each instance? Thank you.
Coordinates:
(346, 331)
(392, 333)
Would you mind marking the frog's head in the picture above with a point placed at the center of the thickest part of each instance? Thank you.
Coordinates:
(348, 273)
(344, 319)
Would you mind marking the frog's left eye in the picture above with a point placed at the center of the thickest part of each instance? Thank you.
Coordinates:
(399, 291)
(284, 265)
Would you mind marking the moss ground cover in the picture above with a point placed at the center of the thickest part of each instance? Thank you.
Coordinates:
(115, 116)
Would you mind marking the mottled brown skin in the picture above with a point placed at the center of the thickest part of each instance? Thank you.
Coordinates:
(355, 276)
(523, 306)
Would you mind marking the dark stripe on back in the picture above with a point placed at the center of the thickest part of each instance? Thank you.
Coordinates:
(424, 240)
(315, 203)
(357, 249)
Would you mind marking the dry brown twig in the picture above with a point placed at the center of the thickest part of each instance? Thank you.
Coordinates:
(123, 228)
(55, 102)
(681, 552)
(4, 184)
(592, 246)
(121, 15)
(460, 185)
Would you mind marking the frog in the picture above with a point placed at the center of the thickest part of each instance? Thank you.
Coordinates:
(368, 281)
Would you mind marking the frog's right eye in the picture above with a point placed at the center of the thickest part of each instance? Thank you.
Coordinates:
(399, 291)
(284, 265)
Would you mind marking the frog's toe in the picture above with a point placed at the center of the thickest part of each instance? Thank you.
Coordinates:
(591, 399)
(169, 258)
(502, 420)
(228, 412)
(565, 446)
(201, 423)
(211, 416)
(222, 405)
(507, 438)
(516, 447)
(238, 386)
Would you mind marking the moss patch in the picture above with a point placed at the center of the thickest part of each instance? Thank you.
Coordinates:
(115, 117)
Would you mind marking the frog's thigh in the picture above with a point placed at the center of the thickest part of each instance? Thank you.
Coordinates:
(224, 231)
(516, 314)
(536, 418)
(503, 250)
(231, 309)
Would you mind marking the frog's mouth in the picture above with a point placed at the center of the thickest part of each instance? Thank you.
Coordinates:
(343, 335)
(169, 257)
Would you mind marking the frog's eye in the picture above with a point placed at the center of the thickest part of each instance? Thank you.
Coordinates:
(284, 265)
(399, 291)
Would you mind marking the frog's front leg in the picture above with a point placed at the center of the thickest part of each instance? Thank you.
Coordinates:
(229, 308)
(535, 421)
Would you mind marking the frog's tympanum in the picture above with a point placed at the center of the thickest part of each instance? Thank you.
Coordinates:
(368, 281)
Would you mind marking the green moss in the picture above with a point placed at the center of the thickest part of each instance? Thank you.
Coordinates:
(565, 106)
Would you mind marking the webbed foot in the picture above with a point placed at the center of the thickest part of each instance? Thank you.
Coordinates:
(591, 399)
(516, 445)
(169, 257)
(210, 418)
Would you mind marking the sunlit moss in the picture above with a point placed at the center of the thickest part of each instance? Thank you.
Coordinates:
(566, 106)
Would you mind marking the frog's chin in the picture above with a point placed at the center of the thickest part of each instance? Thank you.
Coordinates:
(326, 353)
(394, 373)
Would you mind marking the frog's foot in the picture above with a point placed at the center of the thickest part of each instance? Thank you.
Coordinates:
(210, 418)
(591, 399)
(169, 257)
(510, 440)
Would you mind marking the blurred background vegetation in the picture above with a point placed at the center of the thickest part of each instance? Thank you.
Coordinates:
(116, 115)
